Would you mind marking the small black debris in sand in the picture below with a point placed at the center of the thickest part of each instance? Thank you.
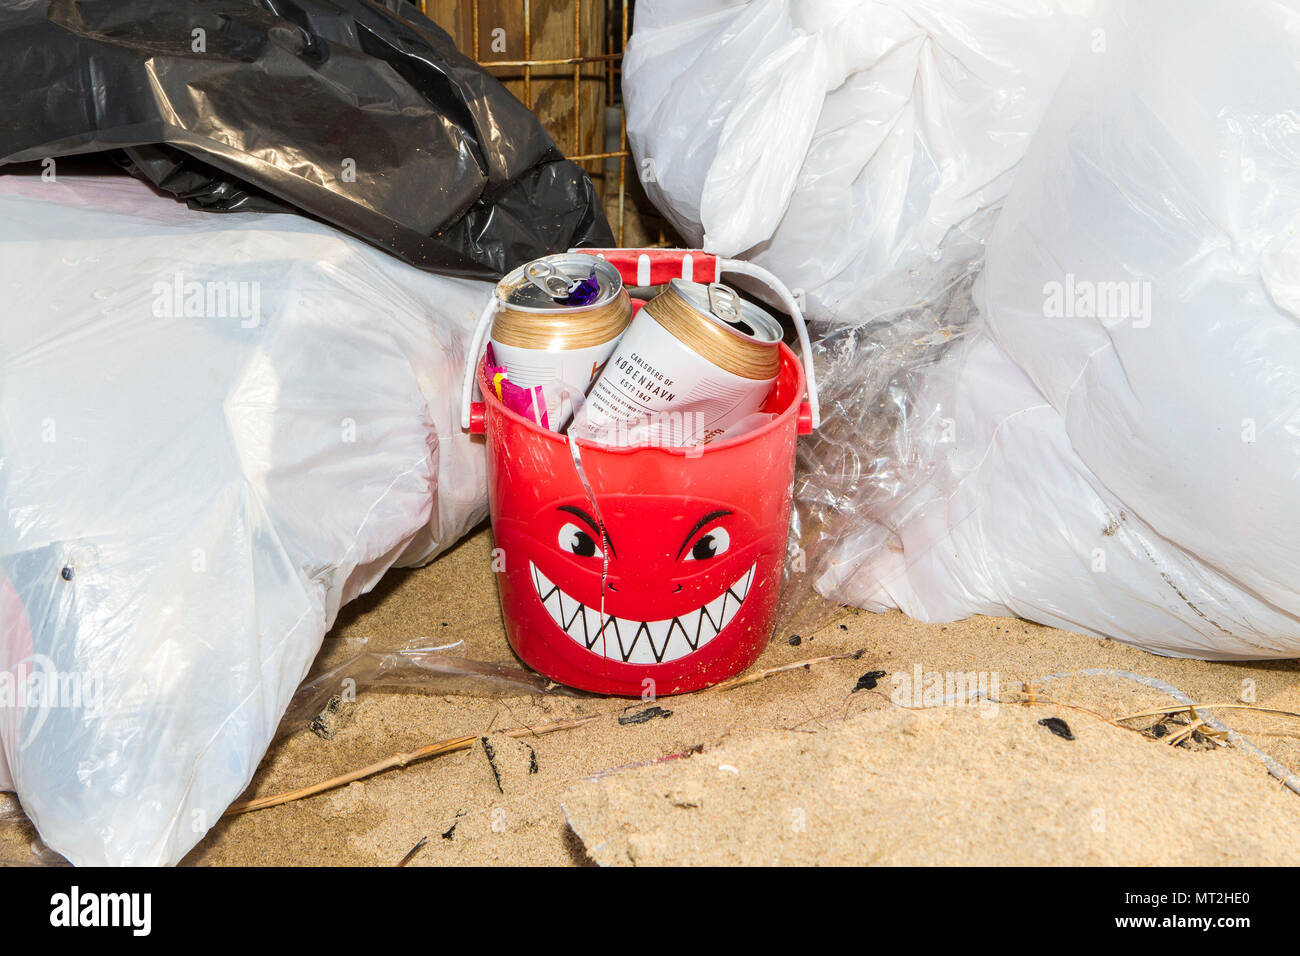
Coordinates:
(844, 627)
(1057, 726)
(532, 759)
(66, 574)
(643, 716)
(1156, 730)
(492, 762)
(450, 832)
(326, 724)
(867, 681)
(795, 640)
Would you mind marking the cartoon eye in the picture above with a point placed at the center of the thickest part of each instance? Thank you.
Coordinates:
(576, 541)
(711, 545)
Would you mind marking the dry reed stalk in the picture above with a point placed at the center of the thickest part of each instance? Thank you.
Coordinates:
(450, 745)
(1180, 708)
(743, 679)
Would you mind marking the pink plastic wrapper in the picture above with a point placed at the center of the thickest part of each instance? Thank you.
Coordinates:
(528, 402)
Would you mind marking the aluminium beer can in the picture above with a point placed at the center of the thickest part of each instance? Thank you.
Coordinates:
(696, 361)
(558, 320)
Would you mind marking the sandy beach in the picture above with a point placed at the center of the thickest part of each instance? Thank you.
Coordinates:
(850, 760)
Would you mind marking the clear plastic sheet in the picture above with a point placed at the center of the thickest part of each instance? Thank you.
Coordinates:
(884, 387)
(429, 670)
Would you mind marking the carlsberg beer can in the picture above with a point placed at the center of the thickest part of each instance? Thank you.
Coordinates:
(694, 362)
(558, 319)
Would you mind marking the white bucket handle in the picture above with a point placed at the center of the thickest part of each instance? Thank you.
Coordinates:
(476, 347)
(805, 344)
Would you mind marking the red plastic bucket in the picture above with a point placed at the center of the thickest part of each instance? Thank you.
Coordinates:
(664, 578)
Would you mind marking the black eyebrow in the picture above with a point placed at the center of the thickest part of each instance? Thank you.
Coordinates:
(601, 533)
(700, 524)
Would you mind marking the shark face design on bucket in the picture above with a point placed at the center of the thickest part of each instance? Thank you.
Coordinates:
(673, 576)
(641, 642)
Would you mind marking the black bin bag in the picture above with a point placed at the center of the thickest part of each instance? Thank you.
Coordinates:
(359, 113)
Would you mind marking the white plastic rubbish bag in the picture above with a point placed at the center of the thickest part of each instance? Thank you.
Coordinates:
(1122, 459)
(840, 142)
(214, 431)
(1143, 274)
(1101, 431)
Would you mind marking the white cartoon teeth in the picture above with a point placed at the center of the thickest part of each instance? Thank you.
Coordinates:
(641, 642)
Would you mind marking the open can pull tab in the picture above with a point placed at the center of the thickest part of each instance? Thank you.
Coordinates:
(547, 278)
(722, 302)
